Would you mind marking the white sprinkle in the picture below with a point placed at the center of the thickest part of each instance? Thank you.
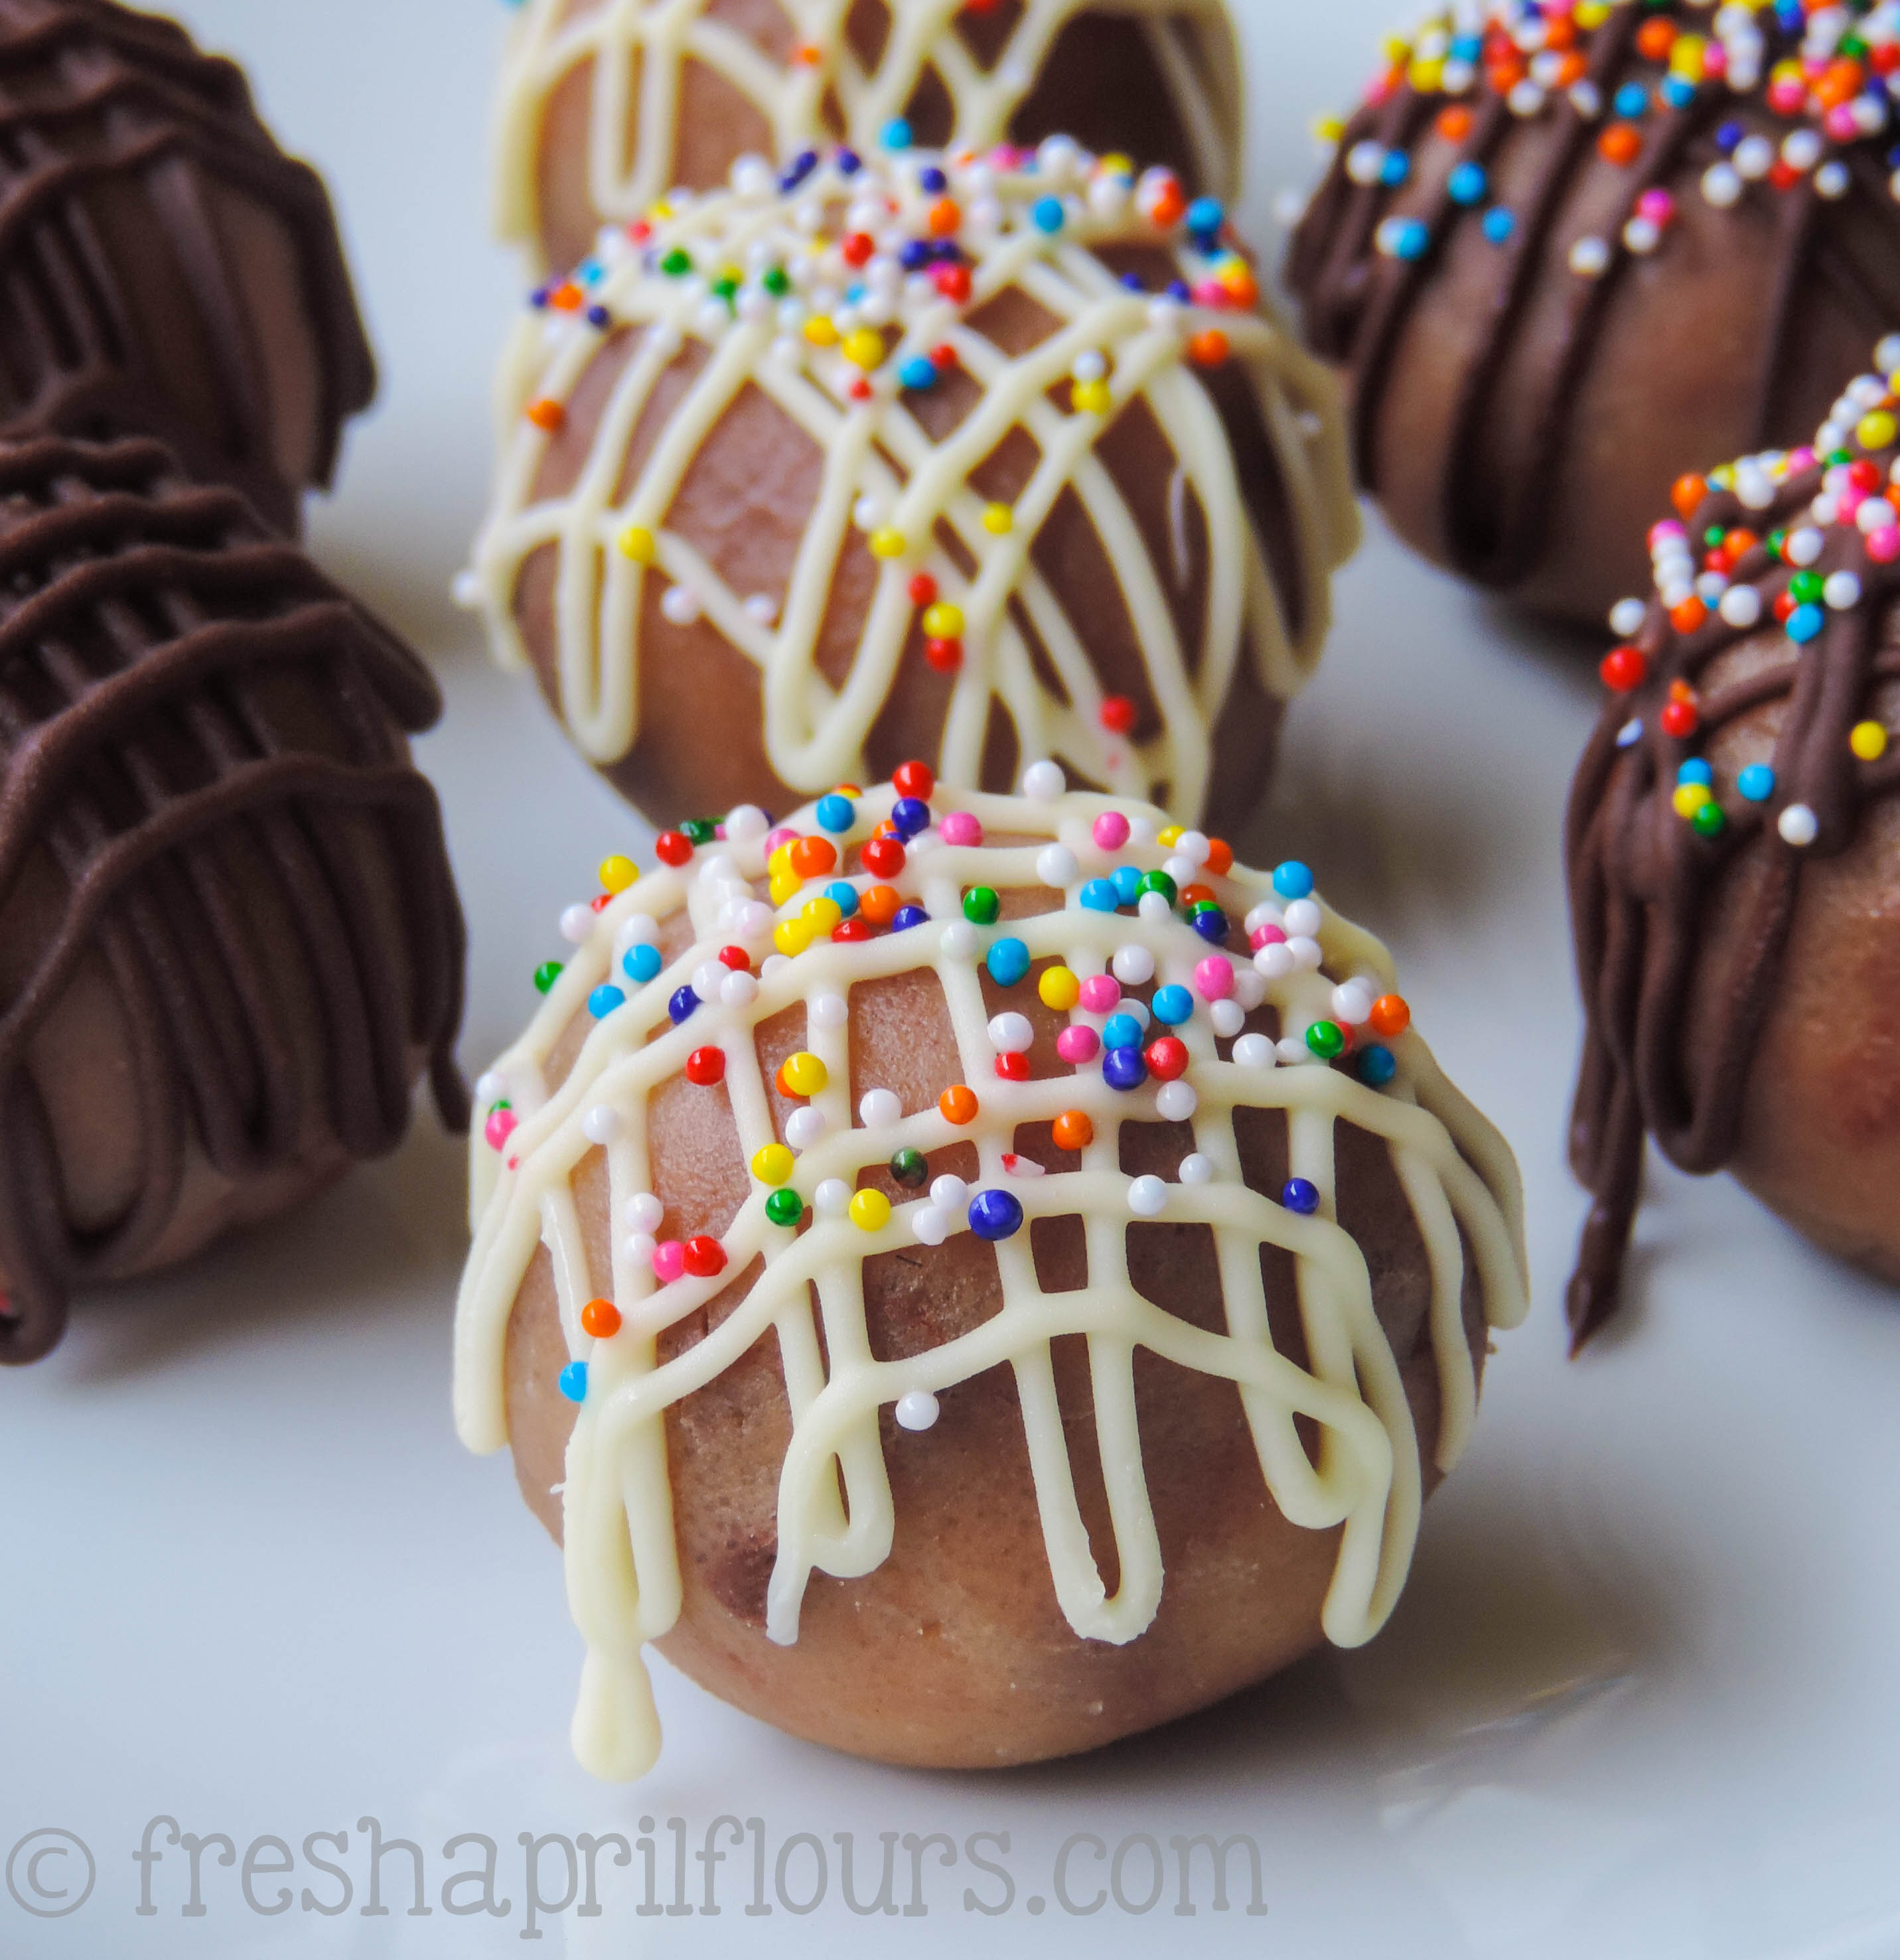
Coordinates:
(1754, 488)
(1831, 179)
(1175, 1101)
(1801, 149)
(1302, 919)
(1089, 365)
(1798, 825)
(577, 923)
(643, 1212)
(746, 822)
(1055, 864)
(831, 1198)
(958, 941)
(1194, 846)
(827, 1010)
(1364, 161)
(1629, 734)
(1741, 606)
(1805, 545)
(1273, 961)
(1587, 100)
(1140, 833)
(1136, 1010)
(1262, 914)
(1249, 989)
(1589, 257)
(1642, 235)
(1254, 1051)
(754, 921)
(1195, 1169)
(761, 608)
(1229, 1018)
(1133, 964)
(879, 1108)
(680, 604)
(1867, 391)
(1011, 1034)
(708, 977)
(491, 1087)
(804, 1127)
(1148, 1197)
(601, 1125)
(640, 929)
(949, 1193)
(1294, 1053)
(1877, 513)
(1720, 186)
(1181, 870)
(867, 513)
(1044, 782)
(1842, 591)
(1886, 356)
(738, 990)
(1753, 158)
(931, 1226)
(919, 1409)
(1152, 907)
(772, 964)
(1526, 98)
(1352, 1003)
(1306, 956)
(466, 591)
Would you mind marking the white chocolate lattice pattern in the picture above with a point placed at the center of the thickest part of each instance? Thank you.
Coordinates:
(829, 340)
(638, 49)
(623, 1580)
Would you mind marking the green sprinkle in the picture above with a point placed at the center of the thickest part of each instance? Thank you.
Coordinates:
(777, 282)
(981, 906)
(908, 1168)
(1155, 881)
(1709, 821)
(699, 829)
(1326, 1039)
(545, 975)
(676, 262)
(784, 1207)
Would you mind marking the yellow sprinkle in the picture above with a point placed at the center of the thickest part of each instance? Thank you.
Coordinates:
(1591, 13)
(618, 872)
(792, 936)
(1689, 798)
(865, 348)
(636, 541)
(819, 331)
(870, 1210)
(1876, 431)
(772, 1165)
(886, 543)
(1169, 837)
(662, 209)
(999, 519)
(779, 863)
(1394, 49)
(943, 621)
(1116, 164)
(822, 913)
(1059, 989)
(803, 1074)
(1329, 129)
(785, 885)
(1090, 398)
(1426, 76)
(1868, 740)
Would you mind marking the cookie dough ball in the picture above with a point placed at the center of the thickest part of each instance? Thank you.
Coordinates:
(916, 457)
(606, 108)
(229, 941)
(1566, 255)
(165, 270)
(957, 1297)
(1735, 853)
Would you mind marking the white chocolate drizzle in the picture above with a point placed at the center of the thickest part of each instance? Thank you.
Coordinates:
(638, 49)
(623, 1573)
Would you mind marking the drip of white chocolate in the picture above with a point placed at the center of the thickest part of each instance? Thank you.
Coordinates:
(638, 48)
(623, 1574)
(793, 340)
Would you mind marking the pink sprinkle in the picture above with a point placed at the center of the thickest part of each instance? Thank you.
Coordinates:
(1883, 545)
(780, 834)
(669, 1260)
(719, 831)
(1267, 935)
(1214, 979)
(1100, 993)
(1841, 123)
(1668, 528)
(1077, 1045)
(499, 1127)
(1849, 501)
(1715, 60)
(1657, 205)
(959, 827)
(1111, 830)
(1800, 459)
(1210, 293)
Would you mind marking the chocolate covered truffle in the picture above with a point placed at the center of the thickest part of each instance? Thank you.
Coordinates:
(975, 460)
(970, 1277)
(229, 941)
(1567, 253)
(1734, 841)
(608, 105)
(165, 270)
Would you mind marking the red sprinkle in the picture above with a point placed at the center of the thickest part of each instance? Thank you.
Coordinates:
(705, 1066)
(705, 1257)
(673, 847)
(884, 856)
(923, 589)
(1624, 670)
(914, 779)
(1167, 1059)
(1119, 714)
(946, 656)
(847, 932)
(1012, 1067)
(737, 957)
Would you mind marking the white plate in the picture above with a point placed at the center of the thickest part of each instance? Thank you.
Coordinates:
(1639, 1701)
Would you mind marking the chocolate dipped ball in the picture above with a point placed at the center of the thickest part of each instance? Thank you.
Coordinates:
(165, 270)
(1734, 844)
(229, 941)
(952, 1299)
(1566, 254)
(606, 106)
(971, 461)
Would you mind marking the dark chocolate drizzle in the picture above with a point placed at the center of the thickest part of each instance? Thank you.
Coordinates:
(1355, 302)
(149, 628)
(97, 102)
(1641, 878)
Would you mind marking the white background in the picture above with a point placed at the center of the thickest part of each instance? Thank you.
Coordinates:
(1639, 1700)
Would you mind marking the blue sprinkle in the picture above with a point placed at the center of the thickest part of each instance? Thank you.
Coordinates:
(682, 1005)
(896, 134)
(844, 894)
(1099, 896)
(849, 163)
(913, 255)
(1630, 733)
(918, 371)
(1727, 136)
(1297, 1194)
(1631, 101)
(1756, 782)
(907, 916)
(1211, 925)
(1131, 283)
(1047, 213)
(1377, 1066)
(1205, 217)
(835, 813)
(911, 815)
(1172, 1005)
(1121, 1031)
(1123, 1068)
(1127, 881)
(1498, 225)
(799, 168)
(599, 318)
(574, 1381)
(1408, 237)
(1396, 167)
(1805, 623)
(1178, 290)
(1008, 960)
(538, 298)
(946, 252)
(1467, 183)
(1696, 771)
(642, 964)
(604, 999)
(1466, 47)
(1679, 91)
(932, 179)
(1292, 879)
(996, 1215)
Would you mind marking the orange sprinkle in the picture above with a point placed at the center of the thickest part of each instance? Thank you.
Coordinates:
(1170, 202)
(546, 413)
(1686, 494)
(1390, 1014)
(812, 857)
(1454, 124)
(807, 54)
(1208, 348)
(945, 217)
(1688, 615)
(879, 904)
(566, 298)
(1620, 143)
(1655, 38)
(601, 1319)
(1571, 70)
(958, 1104)
(1220, 856)
(1074, 1132)
(1193, 895)
(1559, 31)
(1840, 82)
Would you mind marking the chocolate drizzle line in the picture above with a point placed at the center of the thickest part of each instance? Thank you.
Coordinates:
(98, 102)
(149, 630)
(1640, 877)
(1355, 302)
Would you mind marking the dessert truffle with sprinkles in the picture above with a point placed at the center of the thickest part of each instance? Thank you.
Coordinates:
(975, 459)
(607, 105)
(1734, 850)
(165, 270)
(970, 1277)
(1568, 252)
(229, 941)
